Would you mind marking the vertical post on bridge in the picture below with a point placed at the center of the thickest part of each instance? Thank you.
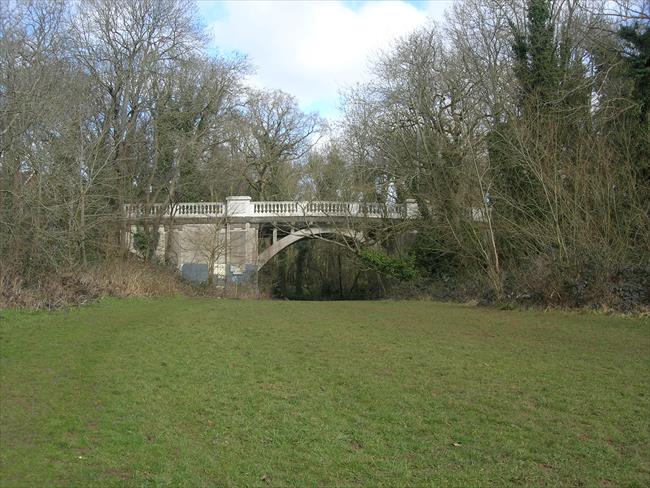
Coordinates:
(239, 206)
(411, 208)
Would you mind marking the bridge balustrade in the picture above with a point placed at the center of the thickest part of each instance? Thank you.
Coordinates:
(199, 210)
(268, 209)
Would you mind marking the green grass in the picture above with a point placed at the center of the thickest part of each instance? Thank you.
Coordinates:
(198, 392)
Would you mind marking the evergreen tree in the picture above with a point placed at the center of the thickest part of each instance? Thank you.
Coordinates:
(536, 55)
(636, 53)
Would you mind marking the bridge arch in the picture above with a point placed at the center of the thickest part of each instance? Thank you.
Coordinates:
(299, 234)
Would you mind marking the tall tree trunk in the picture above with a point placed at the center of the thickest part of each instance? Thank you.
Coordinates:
(338, 256)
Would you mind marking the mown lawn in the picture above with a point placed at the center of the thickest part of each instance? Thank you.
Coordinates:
(199, 392)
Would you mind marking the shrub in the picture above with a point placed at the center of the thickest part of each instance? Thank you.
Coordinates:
(400, 268)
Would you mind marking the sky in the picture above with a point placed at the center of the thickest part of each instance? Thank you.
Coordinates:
(312, 49)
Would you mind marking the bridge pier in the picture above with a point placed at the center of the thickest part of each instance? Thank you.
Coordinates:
(241, 242)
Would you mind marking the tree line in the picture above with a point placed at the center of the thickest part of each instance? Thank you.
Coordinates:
(112, 102)
(520, 127)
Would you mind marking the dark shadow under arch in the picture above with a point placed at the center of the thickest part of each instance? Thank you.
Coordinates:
(299, 234)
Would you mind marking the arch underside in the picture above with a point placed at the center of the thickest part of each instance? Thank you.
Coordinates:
(297, 235)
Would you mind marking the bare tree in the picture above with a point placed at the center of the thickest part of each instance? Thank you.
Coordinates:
(275, 134)
(124, 47)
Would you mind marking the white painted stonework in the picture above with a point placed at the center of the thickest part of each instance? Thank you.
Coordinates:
(230, 230)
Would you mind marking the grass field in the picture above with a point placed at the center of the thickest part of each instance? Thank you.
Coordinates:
(199, 392)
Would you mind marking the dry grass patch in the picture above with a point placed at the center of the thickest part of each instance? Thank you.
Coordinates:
(117, 278)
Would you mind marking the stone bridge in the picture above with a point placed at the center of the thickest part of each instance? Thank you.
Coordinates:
(236, 238)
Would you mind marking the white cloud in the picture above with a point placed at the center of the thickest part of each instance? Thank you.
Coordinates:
(312, 49)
